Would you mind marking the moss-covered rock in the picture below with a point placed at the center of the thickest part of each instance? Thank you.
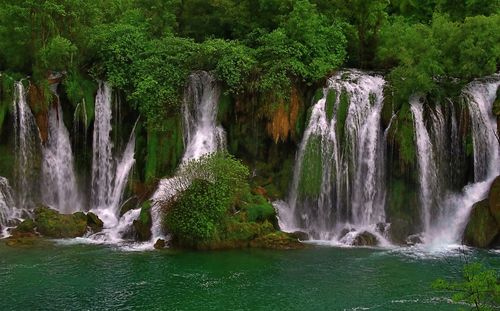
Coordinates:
(27, 226)
(277, 240)
(51, 223)
(94, 222)
(494, 199)
(142, 225)
(482, 227)
(365, 238)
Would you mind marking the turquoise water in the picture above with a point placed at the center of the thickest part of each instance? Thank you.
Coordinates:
(93, 277)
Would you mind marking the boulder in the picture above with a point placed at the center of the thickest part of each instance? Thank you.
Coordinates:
(365, 238)
(94, 222)
(414, 239)
(142, 225)
(494, 199)
(159, 244)
(277, 240)
(482, 227)
(51, 223)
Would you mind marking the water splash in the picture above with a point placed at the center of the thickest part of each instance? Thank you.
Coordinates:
(9, 214)
(59, 187)
(27, 146)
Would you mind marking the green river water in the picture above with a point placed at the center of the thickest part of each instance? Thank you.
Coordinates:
(96, 277)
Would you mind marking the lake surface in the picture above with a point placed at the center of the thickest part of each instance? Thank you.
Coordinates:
(97, 277)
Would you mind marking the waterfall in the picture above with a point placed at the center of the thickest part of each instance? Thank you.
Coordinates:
(202, 135)
(27, 145)
(109, 177)
(456, 207)
(339, 173)
(426, 163)
(102, 159)
(8, 210)
(59, 186)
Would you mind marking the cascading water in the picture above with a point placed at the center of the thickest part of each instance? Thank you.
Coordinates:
(428, 179)
(102, 159)
(59, 186)
(108, 176)
(27, 146)
(455, 208)
(202, 136)
(339, 174)
(8, 211)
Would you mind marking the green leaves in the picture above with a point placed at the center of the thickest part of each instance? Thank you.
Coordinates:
(480, 287)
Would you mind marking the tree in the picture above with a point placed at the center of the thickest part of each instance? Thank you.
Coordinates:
(480, 287)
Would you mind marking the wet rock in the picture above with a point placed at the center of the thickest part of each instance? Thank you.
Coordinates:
(277, 240)
(142, 225)
(414, 239)
(94, 222)
(51, 223)
(494, 199)
(300, 235)
(27, 226)
(160, 243)
(365, 238)
(382, 227)
(130, 204)
(482, 227)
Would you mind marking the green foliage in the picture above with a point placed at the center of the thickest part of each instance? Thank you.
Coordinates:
(342, 114)
(480, 287)
(80, 92)
(331, 99)
(422, 53)
(57, 54)
(258, 209)
(404, 135)
(214, 184)
(312, 168)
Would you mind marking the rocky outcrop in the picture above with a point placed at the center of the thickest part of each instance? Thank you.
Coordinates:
(277, 240)
(142, 225)
(52, 224)
(494, 199)
(482, 227)
(365, 238)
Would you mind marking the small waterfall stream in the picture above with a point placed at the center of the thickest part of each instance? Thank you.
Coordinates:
(27, 149)
(344, 148)
(8, 211)
(426, 163)
(59, 187)
(202, 136)
(109, 176)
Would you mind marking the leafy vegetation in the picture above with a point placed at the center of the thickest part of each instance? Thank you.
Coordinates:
(479, 288)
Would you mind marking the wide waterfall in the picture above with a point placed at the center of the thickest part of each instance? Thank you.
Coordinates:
(339, 175)
(27, 148)
(109, 177)
(59, 187)
(201, 133)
